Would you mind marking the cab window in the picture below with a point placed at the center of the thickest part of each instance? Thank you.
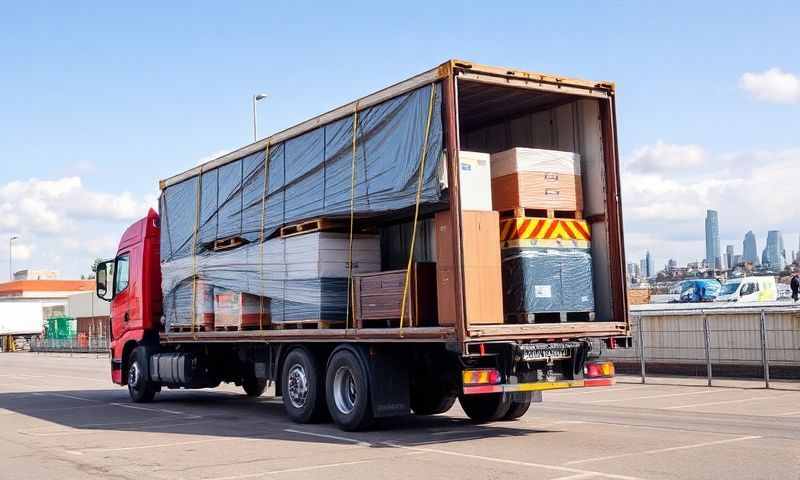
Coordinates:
(121, 273)
(749, 288)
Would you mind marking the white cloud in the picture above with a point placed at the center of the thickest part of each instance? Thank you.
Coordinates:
(62, 224)
(662, 157)
(773, 85)
(664, 211)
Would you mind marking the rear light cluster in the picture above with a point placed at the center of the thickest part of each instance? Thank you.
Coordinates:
(483, 376)
(598, 369)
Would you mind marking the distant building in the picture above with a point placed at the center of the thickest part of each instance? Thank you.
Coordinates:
(774, 255)
(28, 274)
(642, 268)
(651, 265)
(31, 302)
(749, 250)
(737, 260)
(729, 256)
(713, 256)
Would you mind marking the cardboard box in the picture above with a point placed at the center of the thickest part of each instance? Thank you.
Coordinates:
(475, 177)
(240, 310)
(540, 190)
(482, 268)
(536, 178)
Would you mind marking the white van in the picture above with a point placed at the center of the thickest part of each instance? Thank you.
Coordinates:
(749, 289)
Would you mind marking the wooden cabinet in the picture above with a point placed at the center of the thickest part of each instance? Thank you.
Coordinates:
(378, 296)
(483, 285)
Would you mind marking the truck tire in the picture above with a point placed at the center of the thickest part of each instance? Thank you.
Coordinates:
(254, 387)
(520, 404)
(347, 391)
(140, 388)
(431, 402)
(303, 396)
(486, 407)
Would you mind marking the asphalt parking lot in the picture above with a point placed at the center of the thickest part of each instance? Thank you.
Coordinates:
(60, 417)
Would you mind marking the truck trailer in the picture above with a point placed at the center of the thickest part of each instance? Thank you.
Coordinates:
(352, 259)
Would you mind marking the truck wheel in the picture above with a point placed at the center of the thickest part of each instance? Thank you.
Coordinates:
(303, 397)
(431, 402)
(254, 387)
(486, 407)
(347, 391)
(520, 404)
(140, 388)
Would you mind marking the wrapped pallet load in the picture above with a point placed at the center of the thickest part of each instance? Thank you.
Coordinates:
(223, 228)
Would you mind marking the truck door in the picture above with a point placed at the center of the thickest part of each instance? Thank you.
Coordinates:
(120, 305)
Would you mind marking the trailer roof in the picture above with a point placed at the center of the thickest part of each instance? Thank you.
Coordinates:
(468, 70)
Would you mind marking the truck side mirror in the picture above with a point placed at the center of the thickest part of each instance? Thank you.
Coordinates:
(105, 280)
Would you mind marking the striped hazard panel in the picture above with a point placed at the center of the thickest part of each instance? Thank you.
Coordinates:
(525, 228)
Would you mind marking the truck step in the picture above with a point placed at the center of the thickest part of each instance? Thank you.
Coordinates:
(549, 317)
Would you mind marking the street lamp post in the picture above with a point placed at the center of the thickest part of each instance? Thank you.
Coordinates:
(256, 98)
(10, 270)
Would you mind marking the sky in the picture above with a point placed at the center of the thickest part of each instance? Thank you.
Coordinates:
(101, 100)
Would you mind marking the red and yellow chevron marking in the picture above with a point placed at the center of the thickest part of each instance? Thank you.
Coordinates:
(524, 228)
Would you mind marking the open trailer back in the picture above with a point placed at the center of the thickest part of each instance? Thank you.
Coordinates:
(455, 235)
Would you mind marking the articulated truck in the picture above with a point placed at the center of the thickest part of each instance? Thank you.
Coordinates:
(360, 263)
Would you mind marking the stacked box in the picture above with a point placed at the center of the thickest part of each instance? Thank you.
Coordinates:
(304, 276)
(239, 310)
(536, 178)
(537, 280)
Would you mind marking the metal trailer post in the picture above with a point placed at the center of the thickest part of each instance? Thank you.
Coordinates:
(641, 348)
(707, 336)
(764, 351)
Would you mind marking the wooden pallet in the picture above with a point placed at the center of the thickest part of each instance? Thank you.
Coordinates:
(228, 243)
(189, 328)
(308, 324)
(311, 226)
(518, 212)
(549, 317)
(237, 328)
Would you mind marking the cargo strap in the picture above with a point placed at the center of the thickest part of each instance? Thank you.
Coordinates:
(262, 237)
(197, 199)
(350, 290)
(420, 179)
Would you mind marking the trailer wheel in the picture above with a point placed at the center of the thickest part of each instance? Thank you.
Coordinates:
(431, 402)
(520, 404)
(347, 391)
(486, 407)
(303, 397)
(140, 388)
(254, 387)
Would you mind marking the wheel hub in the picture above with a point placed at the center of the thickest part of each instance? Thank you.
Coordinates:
(345, 391)
(297, 386)
(133, 375)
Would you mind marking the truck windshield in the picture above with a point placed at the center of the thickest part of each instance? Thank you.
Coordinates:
(729, 288)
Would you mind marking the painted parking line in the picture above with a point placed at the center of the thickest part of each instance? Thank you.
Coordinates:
(64, 395)
(648, 397)
(664, 450)
(723, 402)
(147, 409)
(519, 463)
(154, 445)
(329, 437)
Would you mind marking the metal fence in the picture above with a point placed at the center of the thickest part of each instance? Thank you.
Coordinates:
(88, 344)
(727, 341)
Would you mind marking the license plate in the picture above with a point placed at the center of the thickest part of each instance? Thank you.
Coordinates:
(544, 351)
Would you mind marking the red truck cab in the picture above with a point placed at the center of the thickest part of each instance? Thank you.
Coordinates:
(132, 282)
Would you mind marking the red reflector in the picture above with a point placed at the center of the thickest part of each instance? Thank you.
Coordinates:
(598, 369)
(483, 376)
(483, 349)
